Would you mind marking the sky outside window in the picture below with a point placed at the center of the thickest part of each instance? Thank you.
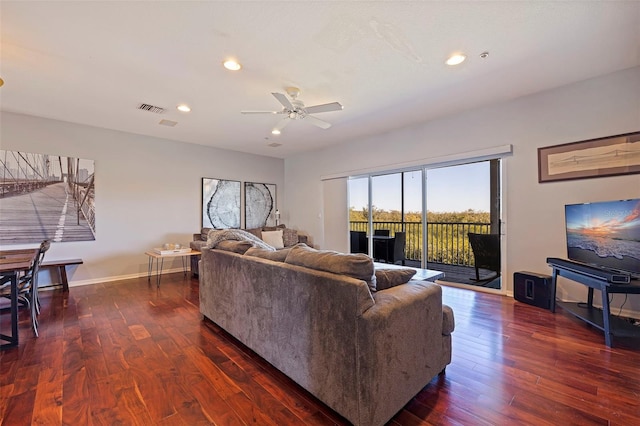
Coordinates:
(449, 189)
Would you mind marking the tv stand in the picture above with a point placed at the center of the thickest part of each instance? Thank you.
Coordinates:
(594, 279)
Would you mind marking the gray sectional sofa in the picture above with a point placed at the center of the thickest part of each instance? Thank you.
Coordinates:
(290, 238)
(314, 315)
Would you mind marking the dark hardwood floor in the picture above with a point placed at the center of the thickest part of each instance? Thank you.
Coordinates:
(128, 353)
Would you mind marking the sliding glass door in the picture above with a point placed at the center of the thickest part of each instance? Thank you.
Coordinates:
(460, 200)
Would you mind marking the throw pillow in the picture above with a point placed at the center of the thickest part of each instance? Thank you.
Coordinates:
(239, 247)
(273, 238)
(359, 266)
(255, 231)
(289, 237)
(387, 278)
(277, 256)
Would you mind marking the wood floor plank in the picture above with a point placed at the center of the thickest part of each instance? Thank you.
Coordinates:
(19, 409)
(47, 408)
(129, 353)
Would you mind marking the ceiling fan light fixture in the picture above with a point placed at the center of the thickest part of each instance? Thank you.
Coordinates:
(232, 65)
(456, 59)
(183, 108)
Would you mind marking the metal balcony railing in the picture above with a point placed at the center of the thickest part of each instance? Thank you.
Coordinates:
(446, 242)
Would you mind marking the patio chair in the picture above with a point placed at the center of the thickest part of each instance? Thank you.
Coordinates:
(358, 242)
(397, 248)
(486, 253)
(382, 247)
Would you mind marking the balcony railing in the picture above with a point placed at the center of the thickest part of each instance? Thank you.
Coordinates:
(446, 242)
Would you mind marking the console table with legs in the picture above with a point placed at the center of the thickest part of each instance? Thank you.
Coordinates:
(595, 279)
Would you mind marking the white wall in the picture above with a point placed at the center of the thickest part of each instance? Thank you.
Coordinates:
(534, 213)
(148, 190)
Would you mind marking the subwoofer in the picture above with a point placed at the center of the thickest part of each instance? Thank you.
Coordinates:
(532, 289)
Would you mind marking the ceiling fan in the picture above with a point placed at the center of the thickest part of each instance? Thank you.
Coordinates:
(294, 109)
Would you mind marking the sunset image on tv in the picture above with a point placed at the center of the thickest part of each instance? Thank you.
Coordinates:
(605, 234)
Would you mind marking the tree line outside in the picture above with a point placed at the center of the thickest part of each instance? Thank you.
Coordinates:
(446, 231)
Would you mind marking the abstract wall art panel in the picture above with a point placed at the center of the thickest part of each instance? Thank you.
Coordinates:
(46, 197)
(259, 204)
(220, 203)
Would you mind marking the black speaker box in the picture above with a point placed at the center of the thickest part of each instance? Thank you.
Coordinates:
(533, 289)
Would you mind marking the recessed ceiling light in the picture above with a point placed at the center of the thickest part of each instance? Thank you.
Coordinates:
(455, 59)
(275, 132)
(232, 65)
(184, 108)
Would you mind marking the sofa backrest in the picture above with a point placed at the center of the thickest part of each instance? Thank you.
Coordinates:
(359, 266)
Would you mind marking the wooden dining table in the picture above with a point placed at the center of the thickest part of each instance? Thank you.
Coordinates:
(12, 263)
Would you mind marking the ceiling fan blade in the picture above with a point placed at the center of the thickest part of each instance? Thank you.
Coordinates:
(333, 106)
(317, 122)
(281, 124)
(283, 100)
(261, 112)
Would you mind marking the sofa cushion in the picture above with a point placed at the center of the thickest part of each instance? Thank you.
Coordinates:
(239, 247)
(359, 266)
(273, 238)
(387, 278)
(198, 245)
(204, 233)
(278, 255)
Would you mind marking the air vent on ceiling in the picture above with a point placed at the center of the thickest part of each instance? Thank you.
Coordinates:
(151, 108)
(274, 144)
(168, 123)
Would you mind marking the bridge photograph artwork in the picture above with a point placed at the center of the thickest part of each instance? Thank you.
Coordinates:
(46, 197)
(609, 156)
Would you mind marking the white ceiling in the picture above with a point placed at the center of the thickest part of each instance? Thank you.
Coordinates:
(94, 62)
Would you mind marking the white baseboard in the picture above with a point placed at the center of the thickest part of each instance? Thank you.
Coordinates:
(79, 283)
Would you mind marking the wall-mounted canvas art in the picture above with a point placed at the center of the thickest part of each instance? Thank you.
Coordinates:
(259, 205)
(46, 197)
(220, 203)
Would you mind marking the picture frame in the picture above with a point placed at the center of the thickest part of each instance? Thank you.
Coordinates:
(260, 205)
(46, 197)
(220, 203)
(592, 158)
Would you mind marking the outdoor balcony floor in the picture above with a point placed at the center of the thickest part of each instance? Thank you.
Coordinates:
(460, 274)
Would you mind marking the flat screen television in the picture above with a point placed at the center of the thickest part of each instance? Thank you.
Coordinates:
(605, 235)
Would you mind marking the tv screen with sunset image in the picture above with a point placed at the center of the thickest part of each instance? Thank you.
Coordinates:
(605, 234)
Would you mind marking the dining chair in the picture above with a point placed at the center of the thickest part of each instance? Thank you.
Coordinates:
(28, 287)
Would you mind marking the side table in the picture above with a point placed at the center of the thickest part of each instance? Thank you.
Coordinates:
(159, 258)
